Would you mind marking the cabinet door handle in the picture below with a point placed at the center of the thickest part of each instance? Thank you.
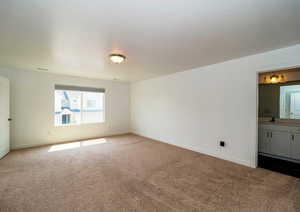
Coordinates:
(267, 134)
(271, 134)
(293, 137)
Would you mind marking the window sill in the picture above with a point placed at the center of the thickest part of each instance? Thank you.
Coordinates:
(85, 124)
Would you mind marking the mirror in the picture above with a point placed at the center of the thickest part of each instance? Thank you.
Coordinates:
(280, 100)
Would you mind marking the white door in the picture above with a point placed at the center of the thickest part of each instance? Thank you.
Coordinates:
(295, 146)
(295, 105)
(4, 116)
(280, 143)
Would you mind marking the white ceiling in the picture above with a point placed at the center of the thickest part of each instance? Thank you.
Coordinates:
(158, 37)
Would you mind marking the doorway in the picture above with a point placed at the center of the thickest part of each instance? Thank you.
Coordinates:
(279, 121)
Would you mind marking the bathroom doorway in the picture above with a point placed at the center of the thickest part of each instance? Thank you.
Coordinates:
(279, 121)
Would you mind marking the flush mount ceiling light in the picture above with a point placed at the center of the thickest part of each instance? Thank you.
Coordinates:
(42, 69)
(117, 58)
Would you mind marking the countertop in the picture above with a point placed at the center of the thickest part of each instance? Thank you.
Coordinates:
(276, 123)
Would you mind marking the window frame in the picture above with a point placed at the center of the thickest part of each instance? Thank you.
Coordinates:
(81, 106)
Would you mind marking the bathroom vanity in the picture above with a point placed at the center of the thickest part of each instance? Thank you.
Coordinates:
(279, 140)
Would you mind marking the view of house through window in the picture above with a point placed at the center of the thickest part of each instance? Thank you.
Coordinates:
(80, 106)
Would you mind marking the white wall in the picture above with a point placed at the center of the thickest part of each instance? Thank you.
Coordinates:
(32, 108)
(197, 108)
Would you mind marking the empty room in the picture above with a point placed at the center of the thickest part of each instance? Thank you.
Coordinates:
(154, 106)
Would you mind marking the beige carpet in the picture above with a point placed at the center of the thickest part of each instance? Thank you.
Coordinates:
(131, 173)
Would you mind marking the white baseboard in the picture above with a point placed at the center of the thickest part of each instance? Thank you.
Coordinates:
(29, 145)
(222, 156)
(210, 153)
(3, 152)
(192, 148)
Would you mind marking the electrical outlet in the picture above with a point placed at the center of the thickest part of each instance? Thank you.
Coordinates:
(222, 143)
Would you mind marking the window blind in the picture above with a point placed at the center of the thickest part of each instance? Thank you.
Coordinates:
(78, 88)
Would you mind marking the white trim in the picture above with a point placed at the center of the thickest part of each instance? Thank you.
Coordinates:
(221, 156)
(23, 146)
(210, 153)
(4, 152)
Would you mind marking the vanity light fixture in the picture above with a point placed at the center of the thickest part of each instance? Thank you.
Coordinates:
(274, 78)
(117, 58)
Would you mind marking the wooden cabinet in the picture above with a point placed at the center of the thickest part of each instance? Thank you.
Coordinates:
(280, 141)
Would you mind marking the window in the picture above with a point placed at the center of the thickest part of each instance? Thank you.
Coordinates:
(78, 105)
(66, 118)
(91, 103)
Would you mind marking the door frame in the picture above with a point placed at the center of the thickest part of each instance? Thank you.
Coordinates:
(257, 104)
(5, 149)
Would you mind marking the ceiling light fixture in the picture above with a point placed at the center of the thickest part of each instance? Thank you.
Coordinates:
(117, 58)
(274, 78)
(42, 69)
